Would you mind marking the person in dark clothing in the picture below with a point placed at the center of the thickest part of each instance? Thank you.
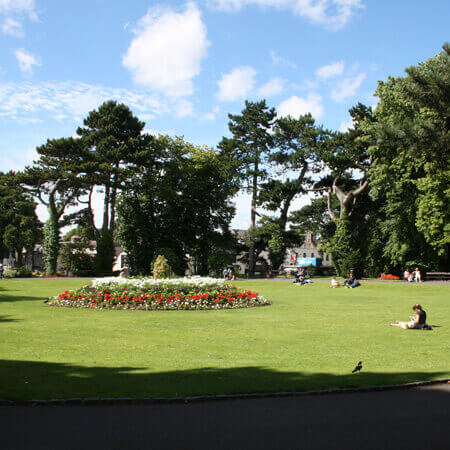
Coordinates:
(351, 279)
(419, 321)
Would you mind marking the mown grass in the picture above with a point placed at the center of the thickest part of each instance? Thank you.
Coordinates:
(309, 338)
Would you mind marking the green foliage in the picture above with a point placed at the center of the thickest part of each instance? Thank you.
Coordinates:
(175, 260)
(410, 142)
(51, 246)
(75, 258)
(180, 200)
(19, 226)
(104, 259)
(23, 272)
(161, 267)
(345, 255)
(219, 259)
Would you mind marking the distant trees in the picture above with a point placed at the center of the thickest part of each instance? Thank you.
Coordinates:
(19, 226)
(381, 189)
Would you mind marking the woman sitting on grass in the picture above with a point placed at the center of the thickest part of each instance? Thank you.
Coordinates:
(419, 321)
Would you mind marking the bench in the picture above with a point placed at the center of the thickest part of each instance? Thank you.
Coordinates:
(438, 276)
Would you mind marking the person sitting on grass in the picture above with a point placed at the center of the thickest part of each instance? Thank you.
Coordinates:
(417, 322)
(334, 283)
(351, 279)
(352, 282)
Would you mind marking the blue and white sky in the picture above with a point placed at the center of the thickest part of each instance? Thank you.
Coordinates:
(182, 66)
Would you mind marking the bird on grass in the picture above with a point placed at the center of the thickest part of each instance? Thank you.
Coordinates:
(358, 367)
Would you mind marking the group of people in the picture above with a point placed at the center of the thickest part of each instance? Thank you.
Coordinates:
(351, 282)
(228, 273)
(300, 276)
(415, 275)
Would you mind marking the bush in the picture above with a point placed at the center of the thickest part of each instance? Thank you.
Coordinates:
(23, 272)
(9, 273)
(161, 268)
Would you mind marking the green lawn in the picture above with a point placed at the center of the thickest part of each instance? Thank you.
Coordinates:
(310, 338)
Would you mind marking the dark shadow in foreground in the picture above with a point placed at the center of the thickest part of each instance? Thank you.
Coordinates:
(4, 319)
(44, 380)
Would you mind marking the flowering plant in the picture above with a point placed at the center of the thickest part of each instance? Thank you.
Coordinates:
(154, 294)
(389, 277)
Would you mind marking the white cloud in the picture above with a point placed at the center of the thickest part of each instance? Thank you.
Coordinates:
(26, 61)
(25, 101)
(12, 10)
(237, 84)
(11, 6)
(12, 27)
(273, 87)
(183, 108)
(347, 87)
(167, 50)
(279, 61)
(331, 14)
(296, 106)
(331, 70)
(212, 114)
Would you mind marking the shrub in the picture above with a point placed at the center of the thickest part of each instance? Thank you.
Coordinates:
(23, 272)
(161, 268)
(9, 273)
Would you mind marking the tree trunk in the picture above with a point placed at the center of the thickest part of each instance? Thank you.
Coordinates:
(251, 250)
(113, 203)
(51, 241)
(106, 208)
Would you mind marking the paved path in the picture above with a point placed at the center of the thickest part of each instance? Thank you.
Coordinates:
(402, 419)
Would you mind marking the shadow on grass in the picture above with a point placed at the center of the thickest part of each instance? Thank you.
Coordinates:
(45, 380)
(4, 319)
(8, 294)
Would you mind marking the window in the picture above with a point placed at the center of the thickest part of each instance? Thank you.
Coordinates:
(312, 255)
(327, 258)
(304, 255)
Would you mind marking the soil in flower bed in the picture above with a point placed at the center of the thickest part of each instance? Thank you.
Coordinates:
(149, 294)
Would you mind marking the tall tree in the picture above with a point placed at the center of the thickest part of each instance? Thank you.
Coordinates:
(176, 203)
(56, 181)
(298, 144)
(411, 142)
(113, 138)
(250, 148)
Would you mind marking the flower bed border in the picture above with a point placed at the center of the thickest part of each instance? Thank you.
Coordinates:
(142, 295)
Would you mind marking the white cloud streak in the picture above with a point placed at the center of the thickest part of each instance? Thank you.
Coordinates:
(12, 11)
(237, 84)
(331, 70)
(24, 102)
(347, 87)
(12, 27)
(330, 14)
(280, 61)
(167, 50)
(27, 61)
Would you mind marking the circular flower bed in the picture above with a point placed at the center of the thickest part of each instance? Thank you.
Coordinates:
(153, 294)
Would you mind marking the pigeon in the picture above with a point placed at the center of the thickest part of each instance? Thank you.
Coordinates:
(358, 367)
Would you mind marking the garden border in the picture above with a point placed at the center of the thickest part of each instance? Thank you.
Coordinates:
(213, 397)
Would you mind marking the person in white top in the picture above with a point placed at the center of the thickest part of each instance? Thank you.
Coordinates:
(418, 275)
(334, 283)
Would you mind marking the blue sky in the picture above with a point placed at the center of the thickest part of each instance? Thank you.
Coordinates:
(182, 66)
